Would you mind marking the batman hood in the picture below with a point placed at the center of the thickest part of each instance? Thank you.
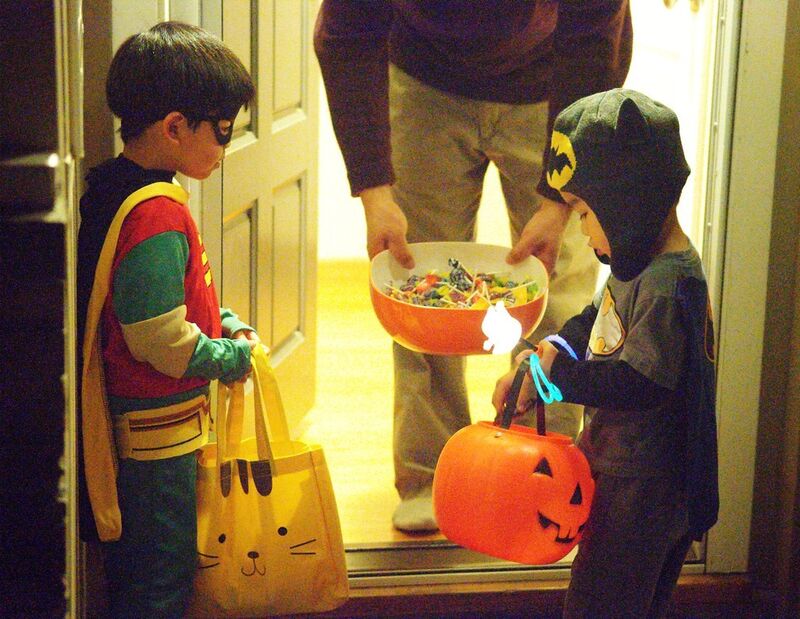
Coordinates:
(621, 153)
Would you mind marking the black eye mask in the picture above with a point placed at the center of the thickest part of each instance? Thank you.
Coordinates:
(223, 136)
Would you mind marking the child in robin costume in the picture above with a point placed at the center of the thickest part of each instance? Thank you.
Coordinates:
(645, 356)
(152, 330)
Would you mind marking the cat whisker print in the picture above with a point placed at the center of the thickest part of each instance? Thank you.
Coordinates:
(293, 549)
(200, 565)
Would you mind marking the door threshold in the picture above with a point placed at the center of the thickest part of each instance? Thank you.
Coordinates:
(442, 562)
(697, 594)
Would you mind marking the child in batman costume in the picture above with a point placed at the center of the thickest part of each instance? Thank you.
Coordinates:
(647, 377)
(152, 329)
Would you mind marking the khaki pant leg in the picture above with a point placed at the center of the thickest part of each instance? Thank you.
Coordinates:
(516, 149)
(439, 169)
(431, 404)
(436, 155)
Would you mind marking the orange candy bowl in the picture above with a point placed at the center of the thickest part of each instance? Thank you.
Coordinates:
(442, 330)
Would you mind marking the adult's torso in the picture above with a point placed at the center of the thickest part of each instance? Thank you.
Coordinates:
(497, 50)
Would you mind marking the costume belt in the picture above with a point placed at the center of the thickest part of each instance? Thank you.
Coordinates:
(165, 432)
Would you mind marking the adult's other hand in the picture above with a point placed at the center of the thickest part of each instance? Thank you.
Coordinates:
(386, 225)
(542, 235)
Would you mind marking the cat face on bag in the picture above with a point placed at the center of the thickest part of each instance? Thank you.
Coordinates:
(268, 535)
(252, 557)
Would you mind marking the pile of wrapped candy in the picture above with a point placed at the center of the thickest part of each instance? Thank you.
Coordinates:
(461, 289)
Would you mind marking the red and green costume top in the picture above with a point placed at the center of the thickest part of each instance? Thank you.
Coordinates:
(162, 324)
(163, 332)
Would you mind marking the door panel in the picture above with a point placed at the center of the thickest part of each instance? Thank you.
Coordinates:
(238, 35)
(263, 228)
(287, 310)
(288, 57)
(236, 264)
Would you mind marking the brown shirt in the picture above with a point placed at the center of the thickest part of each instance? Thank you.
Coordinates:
(509, 51)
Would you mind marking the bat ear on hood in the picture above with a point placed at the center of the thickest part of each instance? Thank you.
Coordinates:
(631, 126)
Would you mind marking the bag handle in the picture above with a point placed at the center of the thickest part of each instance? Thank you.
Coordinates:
(230, 416)
(548, 391)
(267, 405)
(268, 409)
(229, 419)
(273, 404)
(261, 411)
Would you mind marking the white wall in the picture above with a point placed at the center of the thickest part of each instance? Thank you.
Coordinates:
(341, 232)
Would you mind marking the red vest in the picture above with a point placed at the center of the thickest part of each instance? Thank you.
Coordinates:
(126, 377)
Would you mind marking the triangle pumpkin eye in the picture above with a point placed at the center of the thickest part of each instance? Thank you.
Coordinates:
(543, 468)
(577, 497)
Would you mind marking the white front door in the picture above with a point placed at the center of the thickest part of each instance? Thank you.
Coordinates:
(259, 215)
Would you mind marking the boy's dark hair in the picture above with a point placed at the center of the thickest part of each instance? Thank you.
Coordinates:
(175, 67)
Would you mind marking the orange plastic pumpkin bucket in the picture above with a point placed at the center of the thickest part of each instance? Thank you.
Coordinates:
(441, 330)
(513, 492)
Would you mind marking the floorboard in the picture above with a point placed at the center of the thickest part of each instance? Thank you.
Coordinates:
(352, 418)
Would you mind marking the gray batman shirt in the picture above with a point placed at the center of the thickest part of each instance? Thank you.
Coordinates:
(639, 322)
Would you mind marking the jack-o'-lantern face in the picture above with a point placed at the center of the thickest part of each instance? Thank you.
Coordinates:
(511, 493)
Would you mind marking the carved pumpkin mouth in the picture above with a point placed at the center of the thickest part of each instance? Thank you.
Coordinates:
(546, 522)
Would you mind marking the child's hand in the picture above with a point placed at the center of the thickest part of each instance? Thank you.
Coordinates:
(252, 339)
(246, 334)
(527, 396)
(547, 354)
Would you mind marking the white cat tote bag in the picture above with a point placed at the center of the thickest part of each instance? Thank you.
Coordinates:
(268, 535)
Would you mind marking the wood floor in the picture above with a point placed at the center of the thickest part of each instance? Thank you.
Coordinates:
(352, 419)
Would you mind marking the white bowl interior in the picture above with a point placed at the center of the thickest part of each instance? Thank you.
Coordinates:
(475, 257)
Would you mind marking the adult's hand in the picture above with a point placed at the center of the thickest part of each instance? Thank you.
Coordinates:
(542, 235)
(386, 225)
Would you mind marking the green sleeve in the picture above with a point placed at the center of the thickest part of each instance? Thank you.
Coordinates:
(222, 358)
(149, 279)
(231, 323)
